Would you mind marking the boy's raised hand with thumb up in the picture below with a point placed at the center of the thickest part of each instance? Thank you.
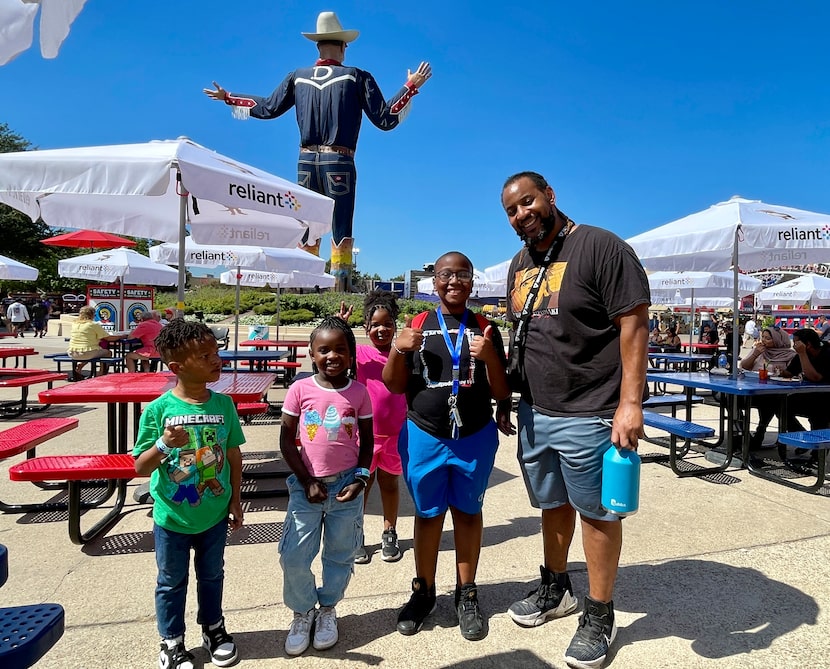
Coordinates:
(481, 346)
(409, 338)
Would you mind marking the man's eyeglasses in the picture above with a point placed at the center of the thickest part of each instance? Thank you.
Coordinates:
(446, 275)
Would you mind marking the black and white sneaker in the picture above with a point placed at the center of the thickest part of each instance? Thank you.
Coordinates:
(594, 636)
(390, 551)
(552, 599)
(219, 644)
(173, 655)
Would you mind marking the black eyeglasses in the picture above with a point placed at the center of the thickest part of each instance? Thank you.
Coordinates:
(446, 275)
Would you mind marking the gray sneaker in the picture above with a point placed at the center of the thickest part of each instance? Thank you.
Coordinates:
(361, 556)
(552, 599)
(594, 636)
(390, 552)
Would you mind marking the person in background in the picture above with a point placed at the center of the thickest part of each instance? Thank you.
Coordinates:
(188, 444)
(18, 317)
(85, 339)
(451, 366)
(823, 328)
(812, 362)
(774, 353)
(584, 361)
(146, 331)
(40, 317)
(671, 340)
(751, 333)
(708, 335)
(380, 314)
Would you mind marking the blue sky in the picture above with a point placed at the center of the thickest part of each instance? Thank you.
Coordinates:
(638, 113)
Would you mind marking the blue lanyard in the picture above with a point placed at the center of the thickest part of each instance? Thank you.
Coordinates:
(455, 351)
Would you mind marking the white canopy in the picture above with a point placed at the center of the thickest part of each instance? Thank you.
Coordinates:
(807, 289)
(255, 278)
(17, 20)
(123, 265)
(12, 270)
(739, 233)
(701, 284)
(764, 236)
(142, 190)
(251, 257)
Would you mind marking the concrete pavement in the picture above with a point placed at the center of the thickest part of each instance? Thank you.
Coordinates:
(711, 575)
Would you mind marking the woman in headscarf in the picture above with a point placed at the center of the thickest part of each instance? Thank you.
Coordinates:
(773, 351)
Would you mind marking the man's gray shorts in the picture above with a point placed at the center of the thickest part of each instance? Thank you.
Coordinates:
(561, 460)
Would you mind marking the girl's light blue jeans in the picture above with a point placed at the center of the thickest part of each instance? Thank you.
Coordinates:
(339, 525)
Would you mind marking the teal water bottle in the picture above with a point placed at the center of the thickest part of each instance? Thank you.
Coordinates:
(620, 481)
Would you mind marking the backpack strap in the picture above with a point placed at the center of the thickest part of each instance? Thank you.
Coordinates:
(418, 320)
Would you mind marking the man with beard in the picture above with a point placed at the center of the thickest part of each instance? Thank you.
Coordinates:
(582, 347)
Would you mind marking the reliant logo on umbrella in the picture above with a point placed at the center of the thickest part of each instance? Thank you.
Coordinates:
(219, 257)
(250, 192)
(797, 234)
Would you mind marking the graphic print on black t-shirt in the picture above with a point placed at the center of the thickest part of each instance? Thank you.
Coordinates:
(547, 299)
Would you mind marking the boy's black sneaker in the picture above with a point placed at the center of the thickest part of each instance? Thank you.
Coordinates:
(593, 637)
(553, 598)
(219, 644)
(419, 606)
(470, 620)
(173, 655)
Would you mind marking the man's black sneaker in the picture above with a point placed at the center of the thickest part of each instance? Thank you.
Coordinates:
(593, 637)
(173, 655)
(419, 606)
(390, 551)
(219, 644)
(553, 598)
(470, 620)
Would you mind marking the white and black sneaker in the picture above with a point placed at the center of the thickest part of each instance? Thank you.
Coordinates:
(173, 655)
(553, 598)
(594, 636)
(219, 644)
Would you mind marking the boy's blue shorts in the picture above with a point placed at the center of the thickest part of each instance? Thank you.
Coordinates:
(447, 472)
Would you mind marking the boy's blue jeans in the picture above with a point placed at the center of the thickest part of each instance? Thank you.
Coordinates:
(338, 524)
(173, 560)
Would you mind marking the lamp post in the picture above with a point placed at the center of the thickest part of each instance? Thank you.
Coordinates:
(355, 252)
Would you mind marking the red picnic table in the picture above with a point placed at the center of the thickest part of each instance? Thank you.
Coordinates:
(12, 377)
(120, 390)
(16, 352)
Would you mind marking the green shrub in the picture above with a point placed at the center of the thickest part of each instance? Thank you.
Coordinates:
(294, 317)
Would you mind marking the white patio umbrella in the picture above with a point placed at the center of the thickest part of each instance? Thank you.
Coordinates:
(17, 19)
(701, 285)
(12, 270)
(278, 280)
(739, 233)
(811, 289)
(155, 189)
(249, 257)
(123, 265)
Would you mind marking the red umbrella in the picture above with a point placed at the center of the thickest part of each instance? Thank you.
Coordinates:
(88, 239)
